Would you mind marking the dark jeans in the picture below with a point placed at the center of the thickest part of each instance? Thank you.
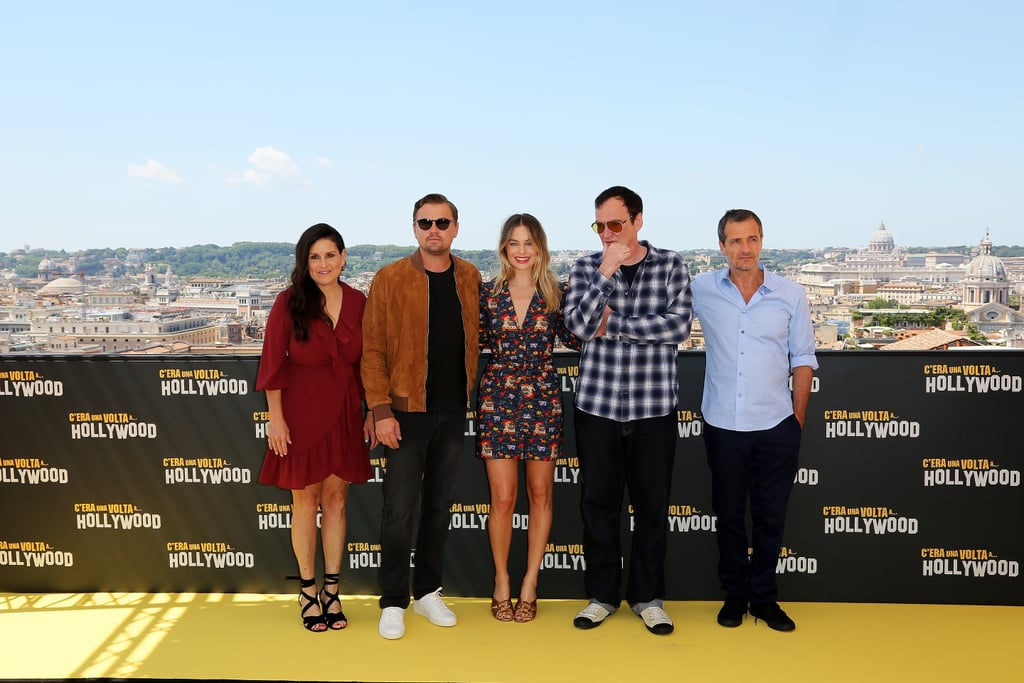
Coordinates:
(613, 455)
(760, 467)
(426, 462)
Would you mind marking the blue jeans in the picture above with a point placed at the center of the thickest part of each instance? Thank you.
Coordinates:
(422, 471)
(758, 467)
(613, 456)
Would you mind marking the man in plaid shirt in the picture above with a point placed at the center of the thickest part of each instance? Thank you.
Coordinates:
(630, 305)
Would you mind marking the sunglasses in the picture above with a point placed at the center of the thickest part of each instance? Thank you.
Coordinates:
(614, 226)
(441, 223)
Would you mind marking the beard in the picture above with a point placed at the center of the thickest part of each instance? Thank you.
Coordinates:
(435, 251)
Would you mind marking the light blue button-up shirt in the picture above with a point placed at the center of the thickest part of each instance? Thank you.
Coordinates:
(751, 349)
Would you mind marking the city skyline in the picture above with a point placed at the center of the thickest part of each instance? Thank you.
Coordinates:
(152, 126)
(969, 246)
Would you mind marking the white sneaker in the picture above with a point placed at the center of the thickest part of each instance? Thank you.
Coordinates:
(657, 621)
(392, 623)
(433, 608)
(591, 616)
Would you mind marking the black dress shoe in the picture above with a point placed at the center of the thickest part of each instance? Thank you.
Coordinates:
(732, 612)
(771, 614)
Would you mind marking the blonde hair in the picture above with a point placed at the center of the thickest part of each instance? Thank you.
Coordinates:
(544, 279)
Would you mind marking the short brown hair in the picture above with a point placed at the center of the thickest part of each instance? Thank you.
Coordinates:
(435, 198)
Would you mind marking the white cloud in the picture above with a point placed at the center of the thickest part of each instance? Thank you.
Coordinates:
(254, 177)
(323, 161)
(153, 170)
(269, 163)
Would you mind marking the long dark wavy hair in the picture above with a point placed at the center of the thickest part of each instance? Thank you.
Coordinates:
(307, 302)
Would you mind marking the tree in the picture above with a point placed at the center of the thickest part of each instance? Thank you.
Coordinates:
(975, 334)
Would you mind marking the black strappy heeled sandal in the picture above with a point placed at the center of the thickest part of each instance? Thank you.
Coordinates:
(334, 620)
(310, 622)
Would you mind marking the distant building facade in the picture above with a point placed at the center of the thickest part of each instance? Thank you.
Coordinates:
(881, 262)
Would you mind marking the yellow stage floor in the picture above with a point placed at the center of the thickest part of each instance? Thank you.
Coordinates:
(259, 637)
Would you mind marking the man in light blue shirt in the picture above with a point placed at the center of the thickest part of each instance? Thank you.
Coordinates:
(758, 333)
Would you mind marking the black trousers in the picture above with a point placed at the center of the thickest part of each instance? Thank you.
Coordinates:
(756, 467)
(422, 471)
(613, 456)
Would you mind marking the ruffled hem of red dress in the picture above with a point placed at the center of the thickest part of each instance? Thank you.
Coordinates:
(330, 455)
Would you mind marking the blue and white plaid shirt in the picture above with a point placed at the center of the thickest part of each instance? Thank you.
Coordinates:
(630, 373)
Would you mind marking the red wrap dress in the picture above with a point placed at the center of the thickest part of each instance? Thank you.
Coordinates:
(321, 395)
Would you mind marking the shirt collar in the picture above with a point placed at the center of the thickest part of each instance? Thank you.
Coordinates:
(771, 280)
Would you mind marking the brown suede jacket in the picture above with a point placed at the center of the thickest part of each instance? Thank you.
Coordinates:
(394, 365)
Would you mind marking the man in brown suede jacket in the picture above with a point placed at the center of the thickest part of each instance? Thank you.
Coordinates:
(420, 352)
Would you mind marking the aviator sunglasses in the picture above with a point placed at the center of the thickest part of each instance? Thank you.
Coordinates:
(614, 226)
(442, 223)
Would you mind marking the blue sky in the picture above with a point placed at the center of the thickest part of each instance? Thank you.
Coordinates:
(147, 124)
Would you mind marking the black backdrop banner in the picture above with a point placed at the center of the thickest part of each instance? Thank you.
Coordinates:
(138, 474)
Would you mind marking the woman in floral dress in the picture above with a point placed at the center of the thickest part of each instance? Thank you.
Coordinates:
(519, 408)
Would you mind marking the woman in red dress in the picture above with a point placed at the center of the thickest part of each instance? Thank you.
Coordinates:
(519, 402)
(317, 437)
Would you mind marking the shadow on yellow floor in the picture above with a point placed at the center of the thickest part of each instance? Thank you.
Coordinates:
(259, 637)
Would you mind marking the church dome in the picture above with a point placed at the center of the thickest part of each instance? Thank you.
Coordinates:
(62, 285)
(985, 265)
(882, 240)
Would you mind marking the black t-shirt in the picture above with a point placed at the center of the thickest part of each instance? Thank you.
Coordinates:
(629, 272)
(446, 344)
